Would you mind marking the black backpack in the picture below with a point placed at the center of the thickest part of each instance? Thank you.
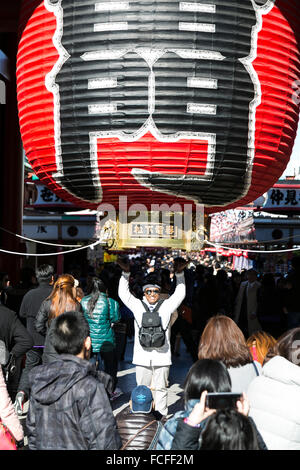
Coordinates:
(151, 332)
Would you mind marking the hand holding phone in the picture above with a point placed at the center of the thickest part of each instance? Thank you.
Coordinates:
(219, 401)
(200, 411)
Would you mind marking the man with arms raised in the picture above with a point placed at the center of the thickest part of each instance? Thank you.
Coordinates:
(153, 364)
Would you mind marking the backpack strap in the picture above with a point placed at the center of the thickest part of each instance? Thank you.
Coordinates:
(145, 306)
(157, 306)
(255, 367)
(154, 441)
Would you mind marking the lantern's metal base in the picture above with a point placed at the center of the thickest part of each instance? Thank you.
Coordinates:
(174, 230)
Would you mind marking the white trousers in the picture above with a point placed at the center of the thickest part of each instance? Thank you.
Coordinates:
(156, 378)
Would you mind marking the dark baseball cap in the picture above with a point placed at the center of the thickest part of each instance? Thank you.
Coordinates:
(141, 399)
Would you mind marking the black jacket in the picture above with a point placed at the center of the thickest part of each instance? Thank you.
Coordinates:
(292, 294)
(30, 306)
(69, 407)
(129, 424)
(15, 336)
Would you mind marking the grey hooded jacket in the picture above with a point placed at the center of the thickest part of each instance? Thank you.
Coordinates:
(69, 407)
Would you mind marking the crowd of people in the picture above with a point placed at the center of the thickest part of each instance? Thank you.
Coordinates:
(66, 336)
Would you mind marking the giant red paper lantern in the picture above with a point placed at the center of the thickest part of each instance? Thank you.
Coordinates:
(159, 101)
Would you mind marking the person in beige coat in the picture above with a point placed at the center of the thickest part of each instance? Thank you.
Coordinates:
(8, 415)
(245, 308)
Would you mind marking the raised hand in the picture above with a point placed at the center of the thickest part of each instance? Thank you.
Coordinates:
(181, 265)
(200, 411)
(124, 265)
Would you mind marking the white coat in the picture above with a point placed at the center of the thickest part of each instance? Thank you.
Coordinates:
(156, 356)
(241, 376)
(274, 399)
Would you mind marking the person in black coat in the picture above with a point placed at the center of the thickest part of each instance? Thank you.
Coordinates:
(291, 301)
(223, 293)
(69, 408)
(268, 306)
(17, 341)
(205, 303)
(15, 293)
(29, 308)
(181, 325)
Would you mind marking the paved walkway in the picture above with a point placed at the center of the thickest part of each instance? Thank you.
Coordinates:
(126, 382)
(178, 371)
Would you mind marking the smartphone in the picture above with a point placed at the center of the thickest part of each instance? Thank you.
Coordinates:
(216, 401)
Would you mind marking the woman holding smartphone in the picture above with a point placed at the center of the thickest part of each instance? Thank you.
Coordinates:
(227, 428)
(205, 376)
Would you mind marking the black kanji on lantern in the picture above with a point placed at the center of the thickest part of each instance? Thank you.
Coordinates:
(178, 69)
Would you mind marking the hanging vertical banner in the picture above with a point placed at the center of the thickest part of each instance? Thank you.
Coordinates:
(232, 226)
(159, 101)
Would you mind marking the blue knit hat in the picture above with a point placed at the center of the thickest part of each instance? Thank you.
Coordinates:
(141, 399)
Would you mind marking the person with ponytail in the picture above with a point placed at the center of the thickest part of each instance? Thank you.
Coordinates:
(101, 313)
(63, 298)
